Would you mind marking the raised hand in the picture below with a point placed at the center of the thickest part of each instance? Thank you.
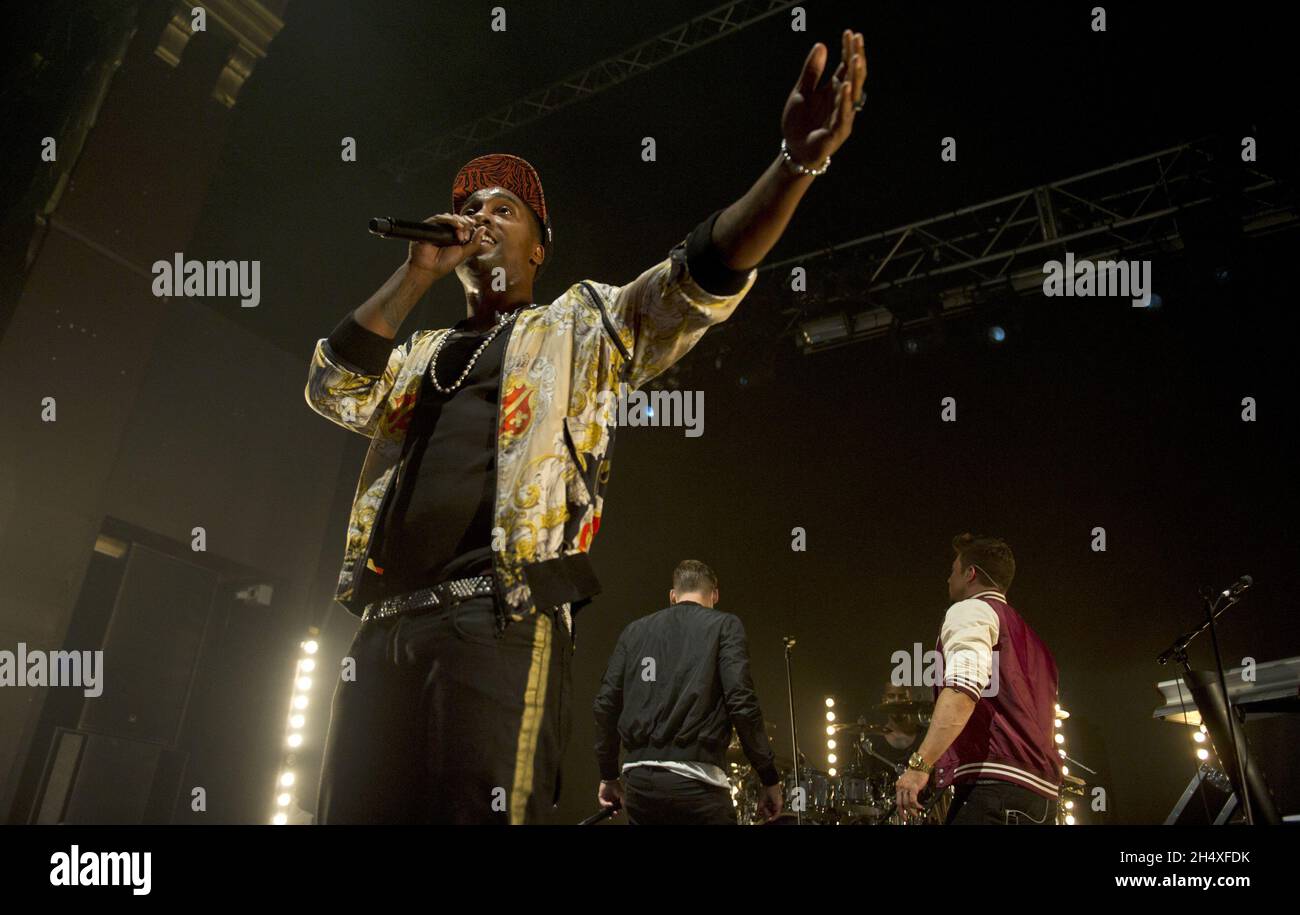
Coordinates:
(818, 119)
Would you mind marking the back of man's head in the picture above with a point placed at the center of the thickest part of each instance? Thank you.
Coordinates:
(693, 580)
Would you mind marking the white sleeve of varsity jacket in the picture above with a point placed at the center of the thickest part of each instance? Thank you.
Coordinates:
(970, 630)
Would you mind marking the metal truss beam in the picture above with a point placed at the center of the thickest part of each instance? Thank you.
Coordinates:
(947, 261)
(680, 39)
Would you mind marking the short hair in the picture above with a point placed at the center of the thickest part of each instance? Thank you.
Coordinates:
(992, 559)
(692, 576)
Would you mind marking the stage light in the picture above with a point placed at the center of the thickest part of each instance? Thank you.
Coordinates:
(1065, 770)
(310, 646)
(304, 683)
(286, 779)
(299, 701)
(1198, 737)
(997, 333)
(1058, 722)
(831, 772)
(830, 745)
(830, 716)
(283, 799)
(295, 740)
(824, 330)
(1060, 738)
(297, 721)
(279, 819)
(830, 703)
(1069, 821)
(1202, 754)
(308, 665)
(830, 730)
(832, 758)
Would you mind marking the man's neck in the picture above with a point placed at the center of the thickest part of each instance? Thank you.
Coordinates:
(693, 599)
(483, 306)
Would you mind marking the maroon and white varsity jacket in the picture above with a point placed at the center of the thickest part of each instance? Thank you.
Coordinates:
(990, 653)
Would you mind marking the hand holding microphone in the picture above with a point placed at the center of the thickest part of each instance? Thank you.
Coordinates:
(439, 244)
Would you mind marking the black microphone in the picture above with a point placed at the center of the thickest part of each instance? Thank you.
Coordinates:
(435, 233)
(1239, 587)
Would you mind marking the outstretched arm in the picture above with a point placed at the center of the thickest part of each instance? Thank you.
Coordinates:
(815, 123)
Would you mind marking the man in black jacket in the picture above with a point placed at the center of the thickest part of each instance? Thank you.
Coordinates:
(677, 683)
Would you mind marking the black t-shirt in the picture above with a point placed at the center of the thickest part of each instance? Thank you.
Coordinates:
(437, 523)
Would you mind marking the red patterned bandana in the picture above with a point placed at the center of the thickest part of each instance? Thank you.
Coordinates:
(501, 170)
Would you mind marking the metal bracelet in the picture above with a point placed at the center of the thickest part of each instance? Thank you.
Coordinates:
(803, 169)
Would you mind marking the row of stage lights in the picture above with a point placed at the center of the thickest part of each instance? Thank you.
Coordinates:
(297, 720)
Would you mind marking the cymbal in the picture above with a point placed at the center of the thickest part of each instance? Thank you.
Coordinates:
(736, 752)
(911, 707)
(855, 727)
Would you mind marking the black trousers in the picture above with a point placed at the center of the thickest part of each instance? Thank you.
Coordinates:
(993, 802)
(659, 797)
(446, 723)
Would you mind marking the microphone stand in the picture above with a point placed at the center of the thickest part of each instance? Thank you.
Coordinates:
(1249, 780)
(1210, 614)
(794, 730)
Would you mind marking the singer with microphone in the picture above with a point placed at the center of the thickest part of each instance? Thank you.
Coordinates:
(466, 555)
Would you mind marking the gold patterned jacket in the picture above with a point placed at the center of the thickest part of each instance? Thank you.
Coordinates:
(559, 385)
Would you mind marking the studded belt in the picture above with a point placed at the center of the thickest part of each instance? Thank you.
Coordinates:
(443, 594)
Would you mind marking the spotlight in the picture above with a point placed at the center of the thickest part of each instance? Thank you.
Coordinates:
(997, 333)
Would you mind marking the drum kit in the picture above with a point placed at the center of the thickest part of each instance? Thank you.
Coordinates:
(859, 793)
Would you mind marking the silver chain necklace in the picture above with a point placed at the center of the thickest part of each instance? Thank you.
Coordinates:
(433, 363)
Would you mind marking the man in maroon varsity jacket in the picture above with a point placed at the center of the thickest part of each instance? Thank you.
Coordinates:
(992, 733)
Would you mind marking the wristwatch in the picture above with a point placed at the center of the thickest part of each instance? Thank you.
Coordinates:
(917, 761)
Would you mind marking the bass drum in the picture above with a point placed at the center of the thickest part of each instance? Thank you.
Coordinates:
(815, 789)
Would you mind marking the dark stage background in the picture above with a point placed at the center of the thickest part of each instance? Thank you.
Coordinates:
(1092, 413)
